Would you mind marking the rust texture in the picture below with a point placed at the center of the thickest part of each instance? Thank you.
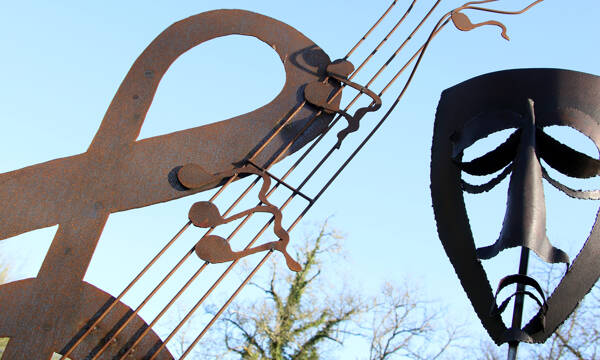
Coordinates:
(57, 311)
(119, 173)
(528, 101)
(215, 249)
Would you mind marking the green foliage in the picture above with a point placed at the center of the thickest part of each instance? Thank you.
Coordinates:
(307, 315)
(285, 325)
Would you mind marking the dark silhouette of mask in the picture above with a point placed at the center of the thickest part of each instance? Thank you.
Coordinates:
(526, 100)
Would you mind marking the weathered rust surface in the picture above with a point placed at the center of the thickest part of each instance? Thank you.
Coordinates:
(215, 249)
(57, 311)
(118, 173)
(497, 101)
(316, 93)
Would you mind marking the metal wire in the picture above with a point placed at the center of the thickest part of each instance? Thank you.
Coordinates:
(196, 306)
(419, 52)
(280, 181)
(186, 256)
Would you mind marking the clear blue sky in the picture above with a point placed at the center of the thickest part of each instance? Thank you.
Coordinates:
(62, 63)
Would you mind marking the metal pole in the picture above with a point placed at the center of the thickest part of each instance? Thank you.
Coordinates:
(519, 300)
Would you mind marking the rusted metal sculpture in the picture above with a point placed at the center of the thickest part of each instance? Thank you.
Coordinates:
(57, 311)
(204, 214)
(527, 100)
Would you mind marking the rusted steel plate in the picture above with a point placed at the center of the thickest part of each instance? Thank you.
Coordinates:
(118, 173)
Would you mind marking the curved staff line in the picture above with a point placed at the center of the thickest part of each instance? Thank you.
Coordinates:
(469, 7)
(462, 21)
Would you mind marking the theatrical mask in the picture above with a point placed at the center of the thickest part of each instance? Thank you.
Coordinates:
(526, 101)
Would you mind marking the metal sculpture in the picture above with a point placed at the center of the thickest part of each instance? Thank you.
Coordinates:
(204, 214)
(57, 311)
(527, 100)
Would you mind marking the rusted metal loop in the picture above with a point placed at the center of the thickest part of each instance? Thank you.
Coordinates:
(134, 97)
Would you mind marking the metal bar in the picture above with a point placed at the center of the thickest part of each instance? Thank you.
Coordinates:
(519, 302)
(294, 190)
(370, 30)
(291, 142)
(117, 300)
(248, 278)
(408, 38)
(420, 52)
(140, 306)
(384, 40)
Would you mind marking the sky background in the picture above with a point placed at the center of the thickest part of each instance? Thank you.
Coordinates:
(62, 63)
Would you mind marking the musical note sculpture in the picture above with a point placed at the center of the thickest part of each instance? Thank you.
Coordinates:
(57, 312)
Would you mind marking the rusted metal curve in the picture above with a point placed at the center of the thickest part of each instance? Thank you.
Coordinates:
(215, 249)
(118, 173)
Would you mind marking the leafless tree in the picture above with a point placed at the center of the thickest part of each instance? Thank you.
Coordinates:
(578, 338)
(304, 316)
(403, 324)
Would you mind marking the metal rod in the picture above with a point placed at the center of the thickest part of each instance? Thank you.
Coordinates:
(143, 303)
(519, 302)
(233, 296)
(385, 39)
(370, 30)
(273, 135)
(282, 182)
(118, 299)
(408, 38)
(419, 52)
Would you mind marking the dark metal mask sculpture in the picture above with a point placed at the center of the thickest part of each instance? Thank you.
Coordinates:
(57, 311)
(526, 100)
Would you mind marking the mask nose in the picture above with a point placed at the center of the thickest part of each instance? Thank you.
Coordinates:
(525, 218)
